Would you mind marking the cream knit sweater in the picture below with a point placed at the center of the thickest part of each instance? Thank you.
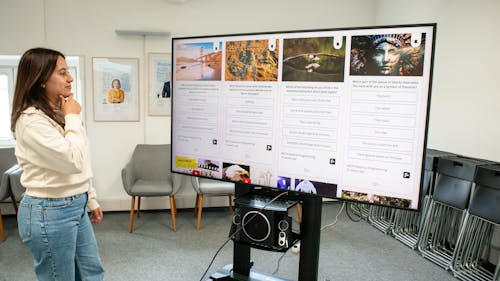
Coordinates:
(56, 161)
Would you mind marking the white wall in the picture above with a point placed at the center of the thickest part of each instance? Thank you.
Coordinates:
(87, 28)
(465, 104)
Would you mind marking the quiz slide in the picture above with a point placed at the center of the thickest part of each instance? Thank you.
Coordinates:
(340, 113)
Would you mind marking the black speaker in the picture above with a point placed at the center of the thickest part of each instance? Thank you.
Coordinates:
(269, 228)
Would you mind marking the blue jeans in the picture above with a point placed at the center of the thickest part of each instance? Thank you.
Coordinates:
(60, 237)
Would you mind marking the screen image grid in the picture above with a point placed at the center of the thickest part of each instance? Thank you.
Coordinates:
(341, 114)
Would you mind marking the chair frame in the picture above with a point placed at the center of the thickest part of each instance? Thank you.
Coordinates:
(128, 179)
(198, 206)
(133, 210)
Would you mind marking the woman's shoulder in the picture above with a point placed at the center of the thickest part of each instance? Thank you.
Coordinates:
(32, 114)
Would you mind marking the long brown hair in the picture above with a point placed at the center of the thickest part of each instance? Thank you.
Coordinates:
(35, 68)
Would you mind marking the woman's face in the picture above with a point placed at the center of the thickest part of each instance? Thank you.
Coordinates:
(59, 82)
(116, 84)
(386, 57)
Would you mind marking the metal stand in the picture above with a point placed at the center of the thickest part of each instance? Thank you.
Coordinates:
(310, 229)
(310, 234)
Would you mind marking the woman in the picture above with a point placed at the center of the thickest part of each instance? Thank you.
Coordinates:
(52, 148)
(116, 94)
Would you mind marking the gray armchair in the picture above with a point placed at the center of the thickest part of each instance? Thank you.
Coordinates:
(16, 188)
(209, 187)
(8, 162)
(147, 174)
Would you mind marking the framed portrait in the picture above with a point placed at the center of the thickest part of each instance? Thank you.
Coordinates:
(115, 89)
(159, 84)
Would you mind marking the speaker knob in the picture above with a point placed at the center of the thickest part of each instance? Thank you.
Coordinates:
(236, 219)
(283, 225)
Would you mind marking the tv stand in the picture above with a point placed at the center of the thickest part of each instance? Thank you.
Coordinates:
(310, 229)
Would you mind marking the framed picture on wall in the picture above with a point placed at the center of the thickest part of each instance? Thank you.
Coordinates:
(115, 89)
(159, 87)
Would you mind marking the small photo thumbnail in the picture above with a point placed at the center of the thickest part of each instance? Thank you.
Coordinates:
(313, 59)
(251, 60)
(236, 172)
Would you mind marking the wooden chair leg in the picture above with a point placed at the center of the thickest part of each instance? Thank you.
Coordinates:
(196, 204)
(2, 233)
(14, 202)
(131, 224)
(173, 212)
(299, 215)
(175, 208)
(138, 206)
(200, 206)
(230, 204)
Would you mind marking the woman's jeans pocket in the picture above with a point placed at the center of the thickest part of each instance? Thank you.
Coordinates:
(24, 220)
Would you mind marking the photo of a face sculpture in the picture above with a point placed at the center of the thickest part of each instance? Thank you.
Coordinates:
(313, 59)
(387, 55)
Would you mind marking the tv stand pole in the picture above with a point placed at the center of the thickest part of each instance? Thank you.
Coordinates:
(241, 259)
(241, 252)
(310, 229)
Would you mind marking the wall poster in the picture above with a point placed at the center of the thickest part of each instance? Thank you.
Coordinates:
(115, 89)
(159, 85)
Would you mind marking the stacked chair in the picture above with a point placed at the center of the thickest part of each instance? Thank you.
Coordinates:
(362, 211)
(472, 247)
(447, 208)
(406, 224)
(381, 218)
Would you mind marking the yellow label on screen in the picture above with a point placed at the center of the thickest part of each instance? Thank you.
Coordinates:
(185, 163)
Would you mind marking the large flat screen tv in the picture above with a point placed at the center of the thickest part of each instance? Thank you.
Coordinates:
(340, 113)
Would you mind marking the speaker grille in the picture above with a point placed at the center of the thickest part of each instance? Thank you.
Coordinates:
(256, 226)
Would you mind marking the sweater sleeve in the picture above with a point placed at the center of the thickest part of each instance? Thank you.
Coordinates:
(92, 203)
(52, 150)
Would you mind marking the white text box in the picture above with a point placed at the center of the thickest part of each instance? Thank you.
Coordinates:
(392, 121)
(383, 108)
(251, 133)
(383, 133)
(310, 133)
(250, 101)
(384, 96)
(312, 100)
(311, 111)
(311, 123)
(381, 145)
(245, 122)
(310, 144)
(380, 156)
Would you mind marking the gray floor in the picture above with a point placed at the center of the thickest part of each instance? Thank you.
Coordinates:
(349, 250)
